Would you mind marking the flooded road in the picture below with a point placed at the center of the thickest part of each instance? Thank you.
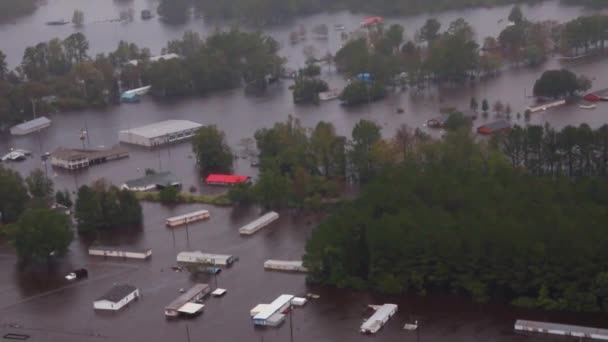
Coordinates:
(38, 300)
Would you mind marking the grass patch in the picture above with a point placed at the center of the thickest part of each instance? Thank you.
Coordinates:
(219, 200)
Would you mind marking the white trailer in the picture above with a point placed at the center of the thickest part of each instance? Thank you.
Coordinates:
(561, 329)
(285, 265)
(378, 319)
(198, 257)
(142, 254)
(187, 218)
(259, 223)
(272, 314)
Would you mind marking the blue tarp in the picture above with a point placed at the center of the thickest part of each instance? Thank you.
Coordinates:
(129, 97)
(365, 77)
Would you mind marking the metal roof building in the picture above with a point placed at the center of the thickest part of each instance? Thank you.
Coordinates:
(117, 297)
(379, 318)
(561, 329)
(159, 133)
(152, 182)
(31, 126)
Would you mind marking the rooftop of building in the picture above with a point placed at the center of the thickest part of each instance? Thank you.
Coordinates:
(159, 129)
(118, 292)
(75, 153)
(43, 120)
(159, 179)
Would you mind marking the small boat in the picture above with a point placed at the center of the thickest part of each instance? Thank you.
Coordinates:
(587, 106)
(57, 22)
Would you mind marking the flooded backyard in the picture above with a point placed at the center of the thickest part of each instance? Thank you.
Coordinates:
(40, 302)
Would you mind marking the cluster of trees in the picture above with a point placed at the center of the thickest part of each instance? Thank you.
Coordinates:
(104, 206)
(10, 9)
(572, 151)
(455, 216)
(302, 168)
(560, 83)
(584, 33)
(213, 155)
(224, 60)
(60, 75)
(266, 12)
(37, 232)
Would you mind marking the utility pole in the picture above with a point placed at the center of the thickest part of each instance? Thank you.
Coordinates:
(188, 332)
(290, 322)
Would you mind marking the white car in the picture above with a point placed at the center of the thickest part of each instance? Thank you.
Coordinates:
(71, 276)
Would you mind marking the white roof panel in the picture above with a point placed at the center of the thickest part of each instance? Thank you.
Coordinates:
(191, 308)
(273, 307)
(159, 129)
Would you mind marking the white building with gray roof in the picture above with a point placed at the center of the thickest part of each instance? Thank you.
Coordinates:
(153, 181)
(118, 296)
(159, 133)
(31, 126)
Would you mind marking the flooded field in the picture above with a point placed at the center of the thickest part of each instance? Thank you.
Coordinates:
(40, 302)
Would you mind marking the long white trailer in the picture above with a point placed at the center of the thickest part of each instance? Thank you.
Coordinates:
(378, 319)
(120, 252)
(198, 257)
(285, 265)
(259, 223)
(187, 218)
(561, 329)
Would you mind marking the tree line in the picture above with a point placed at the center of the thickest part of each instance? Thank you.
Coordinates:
(453, 55)
(455, 216)
(36, 220)
(12, 9)
(60, 74)
(572, 151)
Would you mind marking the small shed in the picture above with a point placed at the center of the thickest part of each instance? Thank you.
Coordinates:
(221, 179)
(117, 297)
(31, 126)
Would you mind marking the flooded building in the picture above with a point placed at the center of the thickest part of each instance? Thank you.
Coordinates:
(285, 265)
(117, 297)
(206, 258)
(120, 252)
(220, 179)
(153, 181)
(273, 314)
(494, 127)
(186, 303)
(159, 133)
(378, 319)
(561, 329)
(74, 159)
(259, 223)
(31, 126)
(187, 218)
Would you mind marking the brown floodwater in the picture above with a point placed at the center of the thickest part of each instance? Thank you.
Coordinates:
(41, 303)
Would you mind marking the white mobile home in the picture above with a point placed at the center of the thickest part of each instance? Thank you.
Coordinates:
(259, 223)
(128, 253)
(285, 265)
(31, 126)
(195, 293)
(187, 218)
(117, 297)
(159, 133)
(378, 319)
(272, 314)
(561, 329)
(205, 258)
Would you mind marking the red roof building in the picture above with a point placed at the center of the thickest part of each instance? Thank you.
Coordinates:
(219, 179)
(372, 21)
(494, 127)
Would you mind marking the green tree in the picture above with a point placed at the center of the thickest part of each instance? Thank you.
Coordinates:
(3, 66)
(429, 31)
(76, 46)
(87, 210)
(473, 104)
(13, 195)
(41, 234)
(559, 83)
(213, 155)
(364, 136)
(360, 92)
(308, 89)
(64, 198)
(516, 16)
(39, 185)
(485, 106)
(169, 194)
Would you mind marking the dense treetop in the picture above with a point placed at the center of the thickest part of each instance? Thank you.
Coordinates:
(456, 216)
